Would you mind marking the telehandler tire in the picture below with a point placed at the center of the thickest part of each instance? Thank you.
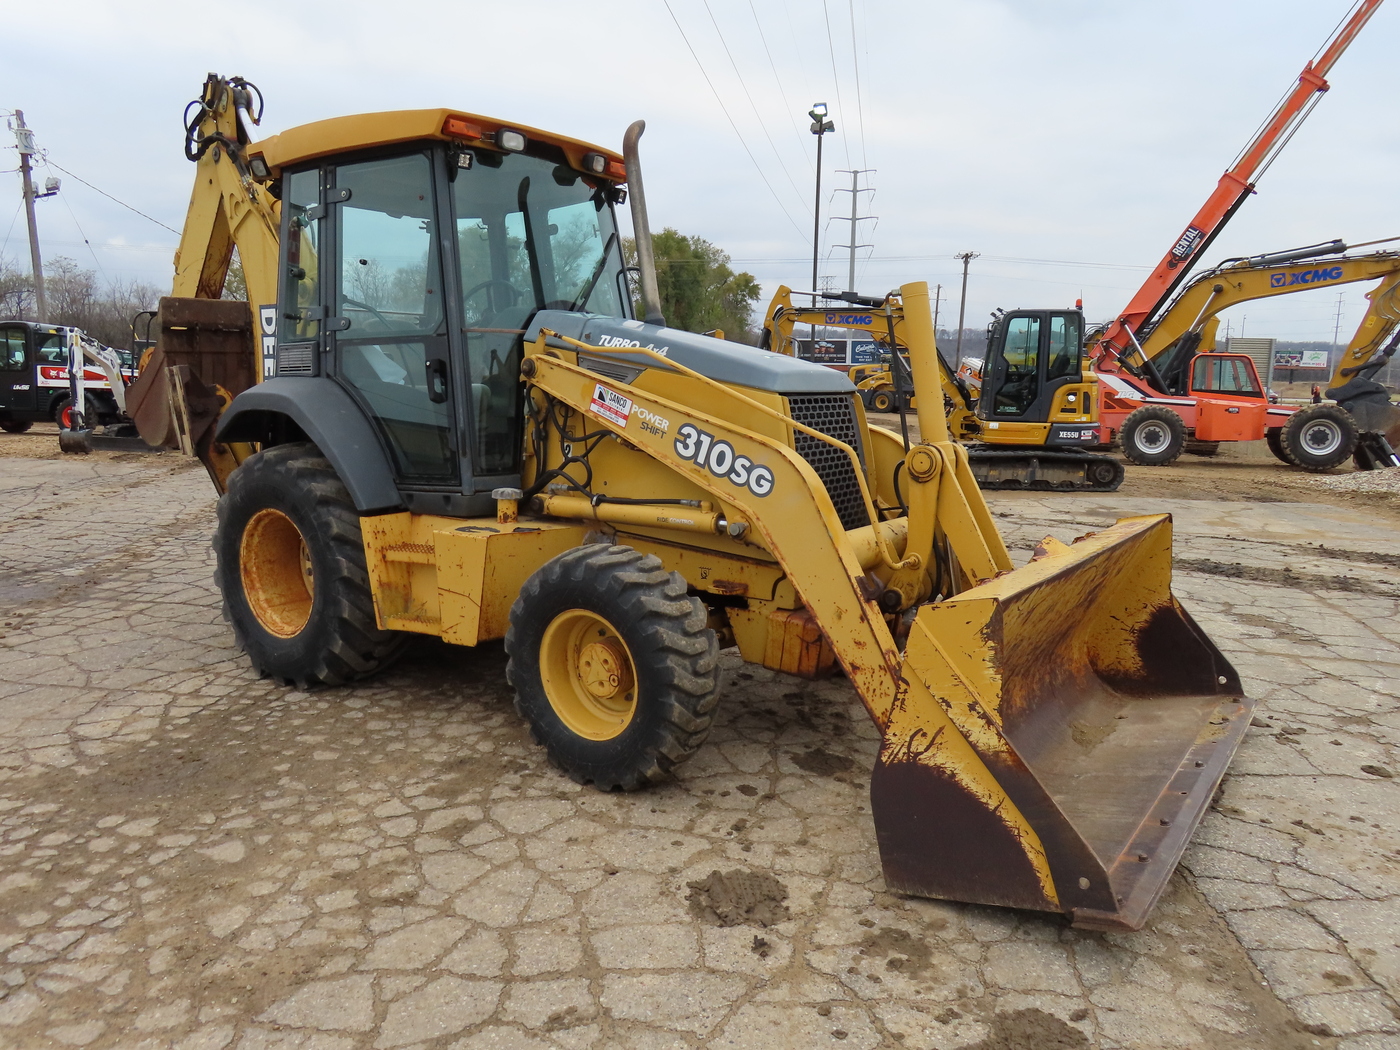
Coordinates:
(1274, 439)
(1152, 436)
(1319, 437)
(14, 426)
(882, 401)
(290, 562)
(613, 666)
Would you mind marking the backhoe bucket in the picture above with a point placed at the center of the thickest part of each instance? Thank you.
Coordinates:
(1062, 732)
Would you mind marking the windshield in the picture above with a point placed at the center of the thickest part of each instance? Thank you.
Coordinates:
(534, 234)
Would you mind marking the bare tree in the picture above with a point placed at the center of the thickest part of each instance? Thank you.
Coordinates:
(77, 298)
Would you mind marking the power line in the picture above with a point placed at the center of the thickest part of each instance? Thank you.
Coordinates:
(729, 118)
(757, 116)
(831, 49)
(104, 193)
(787, 106)
(78, 225)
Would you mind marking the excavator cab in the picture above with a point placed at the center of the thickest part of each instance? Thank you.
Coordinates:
(1031, 355)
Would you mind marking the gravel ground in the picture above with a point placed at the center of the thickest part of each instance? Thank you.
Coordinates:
(194, 859)
(1362, 481)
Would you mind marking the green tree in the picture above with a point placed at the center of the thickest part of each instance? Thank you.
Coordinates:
(699, 290)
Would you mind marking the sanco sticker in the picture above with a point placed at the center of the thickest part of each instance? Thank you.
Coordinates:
(610, 405)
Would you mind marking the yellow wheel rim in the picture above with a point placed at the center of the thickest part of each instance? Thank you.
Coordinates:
(278, 580)
(588, 675)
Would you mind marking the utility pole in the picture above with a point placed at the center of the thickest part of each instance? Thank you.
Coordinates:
(966, 258)
(1336, 333)
(820, 126)
(24, 138)
(937, 301)
(855, 192)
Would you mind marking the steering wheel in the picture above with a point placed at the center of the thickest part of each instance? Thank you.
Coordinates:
(388, 325)
(493, 283)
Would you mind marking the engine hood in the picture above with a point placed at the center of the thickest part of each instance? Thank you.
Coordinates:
(732, 363)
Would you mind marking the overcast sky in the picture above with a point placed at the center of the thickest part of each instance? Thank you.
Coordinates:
(1067, 141)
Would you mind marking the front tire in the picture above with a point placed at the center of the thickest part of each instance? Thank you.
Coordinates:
(1274, 438)
(882, 401)
(14, 426)
(613, 666)
(1152, 436)
(1319, 437)
(291, 565)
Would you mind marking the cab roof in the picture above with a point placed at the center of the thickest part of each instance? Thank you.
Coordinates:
(367, 130)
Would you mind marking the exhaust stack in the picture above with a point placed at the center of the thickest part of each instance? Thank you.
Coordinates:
(641, 229)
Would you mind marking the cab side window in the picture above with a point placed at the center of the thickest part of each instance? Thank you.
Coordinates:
(13, 357)
(1064, 347)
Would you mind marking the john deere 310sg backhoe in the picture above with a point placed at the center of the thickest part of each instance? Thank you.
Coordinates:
(447, 422)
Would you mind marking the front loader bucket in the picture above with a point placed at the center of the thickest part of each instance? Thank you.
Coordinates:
(1062, 731)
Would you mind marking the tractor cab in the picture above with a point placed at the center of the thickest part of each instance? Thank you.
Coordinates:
(410, 275)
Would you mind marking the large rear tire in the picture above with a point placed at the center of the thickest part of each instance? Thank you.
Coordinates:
(613, 666)
(1152, 436)
(1319, 437)
(290, 561)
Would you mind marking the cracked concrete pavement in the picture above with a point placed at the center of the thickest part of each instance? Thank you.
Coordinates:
(196, 859)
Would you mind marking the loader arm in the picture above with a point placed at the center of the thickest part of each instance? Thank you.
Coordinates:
(1051, 734)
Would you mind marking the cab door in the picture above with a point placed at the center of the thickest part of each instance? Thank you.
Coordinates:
(1031, 355)
(387, 333)
(17, 386)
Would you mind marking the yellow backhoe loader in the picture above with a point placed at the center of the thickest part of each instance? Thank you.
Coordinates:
(1028, 434)
(457, 429)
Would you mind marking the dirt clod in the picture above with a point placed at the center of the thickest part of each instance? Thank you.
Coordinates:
(1378, 771)
(902, 951)
(824, 1010)
(739, 897)
(1031, 1029)
(760, 947)
(821, 762)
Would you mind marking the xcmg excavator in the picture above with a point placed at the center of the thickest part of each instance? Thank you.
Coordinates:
(438, 416)
(1039, 412)
(1163, 393)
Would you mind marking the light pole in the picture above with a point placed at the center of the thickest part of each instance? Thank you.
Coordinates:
(820, 126)
(966, 258)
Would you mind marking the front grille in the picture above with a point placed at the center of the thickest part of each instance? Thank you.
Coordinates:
(296, 360)
(835, 416)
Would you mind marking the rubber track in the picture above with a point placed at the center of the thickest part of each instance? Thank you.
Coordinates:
(1033, 456)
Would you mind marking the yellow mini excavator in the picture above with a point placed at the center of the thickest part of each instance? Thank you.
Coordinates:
(1029, 424)
(438, 416)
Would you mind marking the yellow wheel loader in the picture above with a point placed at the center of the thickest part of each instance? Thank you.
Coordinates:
(456, 428)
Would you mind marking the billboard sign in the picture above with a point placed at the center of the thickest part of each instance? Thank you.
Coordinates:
(1300, 359)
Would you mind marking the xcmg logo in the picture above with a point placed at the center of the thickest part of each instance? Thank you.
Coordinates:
(848, 319)
(1287, 280)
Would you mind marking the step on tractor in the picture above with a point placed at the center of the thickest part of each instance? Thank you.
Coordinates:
(1026, 430)
(437, 416)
